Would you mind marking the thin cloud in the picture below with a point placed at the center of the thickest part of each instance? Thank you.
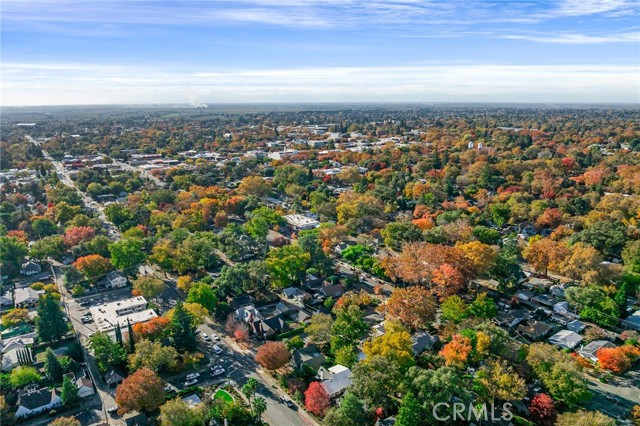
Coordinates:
(84, 84)
(574, 38)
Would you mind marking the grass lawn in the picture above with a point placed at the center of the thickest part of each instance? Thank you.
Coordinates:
(223, 395)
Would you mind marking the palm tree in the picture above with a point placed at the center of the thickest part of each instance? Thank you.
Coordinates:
(259, 407)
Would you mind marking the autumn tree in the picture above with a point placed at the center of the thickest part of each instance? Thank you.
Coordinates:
(148, 286)
(273, 355)
(65, 421)
(316, 399)
(153, 329)
(184, 283)
(152, 355)
(75, 235)
(497, 381)
(583, 263)
(545, 254)
(23, 375)
(142, 390)
(319, 329)
(584, 418)
(15, 317)
(413, 306)
(543, 409)
(446, 281)
(92, 266)
(457, 351)
(618, 359)
(176, 412)
(395, 344)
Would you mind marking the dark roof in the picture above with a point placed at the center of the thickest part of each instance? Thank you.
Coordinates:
(37, 399)
(534, 329)
(240, 301)
(309, 355)
(113, 376)
(135, 419)
(332, 290)
(276, 324)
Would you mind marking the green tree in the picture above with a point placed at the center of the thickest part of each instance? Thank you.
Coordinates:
(23, 375)
(346, 355)
(287, 265)
(631, 256)
(395, 234)
(50, 322)
(584, 418)
(69, 394)
(44, 227)
(319, 329)
(409, 414)
(126, 253)
(12, 252)
(348, 328)
(48, 247)
(376, 381)
(181, 329)
(149, 286)
(259, 406)
(500, 213)
(351, 412)
(204, 295)
(52, 367)
(453, 309)
(106, 352)
(483, 307)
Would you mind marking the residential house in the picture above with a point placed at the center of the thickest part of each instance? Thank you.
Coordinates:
(85, 386)
(544, 299)
(11, 348)
(6, 299)
(248, 314)
(534, 330)
(564, 309)
(30, 268)
(192, 400)
(343, 246)
(566, 339)
(26, 297)
(525, 295)
(281, 309)
(241, 301)
(295, 295)
(33, 402)
(423, 341)
(113, 279)
(511, 318)
(309, 356)
(576, 326)
(135, 419)
(300, 316)
(335, 379)
(311, 281)
(269, 328)
(632, 321)
(334, 291)
(590, 350)
(113, 378)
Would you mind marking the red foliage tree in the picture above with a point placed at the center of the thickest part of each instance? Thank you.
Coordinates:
(241, 335)
(618, 359)
(543, 410)
(19, 234)
(152, 329)
(413, 306)
(457, 351)
(448, 281)
(316, 399)
(78, 234)
(273, 355)
(143, 390)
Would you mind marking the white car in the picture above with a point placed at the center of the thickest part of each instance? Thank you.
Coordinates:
(205, 337)
(217, 371)
(215, 337)
(190, 383)
(217, 350)
(192, 376)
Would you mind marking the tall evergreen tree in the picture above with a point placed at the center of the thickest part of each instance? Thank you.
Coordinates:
(132, 343)
(52, 367)
(69, 394)
(182, 330)
(50, 322)
(118, 334)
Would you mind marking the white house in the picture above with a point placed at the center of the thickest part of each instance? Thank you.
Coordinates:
(566, 339)
(247, 314)
(26, 296)
(85, 387)
(10, 349)
(34, 402)
(335, 379)
(590, 350)
(114, 279)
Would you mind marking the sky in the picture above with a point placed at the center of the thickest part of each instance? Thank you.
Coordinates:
(76, 52)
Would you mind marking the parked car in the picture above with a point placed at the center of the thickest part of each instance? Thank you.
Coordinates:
(215, 337)
(192, 376)
(286, 401)
(112, 410)
(217, 371)
(190, 383)
(205, 337)
(217, 350)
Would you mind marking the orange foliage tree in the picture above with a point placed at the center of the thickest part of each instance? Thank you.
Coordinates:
(457, 351)
(143, 390)
(152, 329)
(413, 306)
(92, 266)
(273, 355)
(78, 234)
(618, 359)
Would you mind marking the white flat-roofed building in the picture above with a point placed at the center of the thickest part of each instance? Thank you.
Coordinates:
(301, 222)
(134, 310)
